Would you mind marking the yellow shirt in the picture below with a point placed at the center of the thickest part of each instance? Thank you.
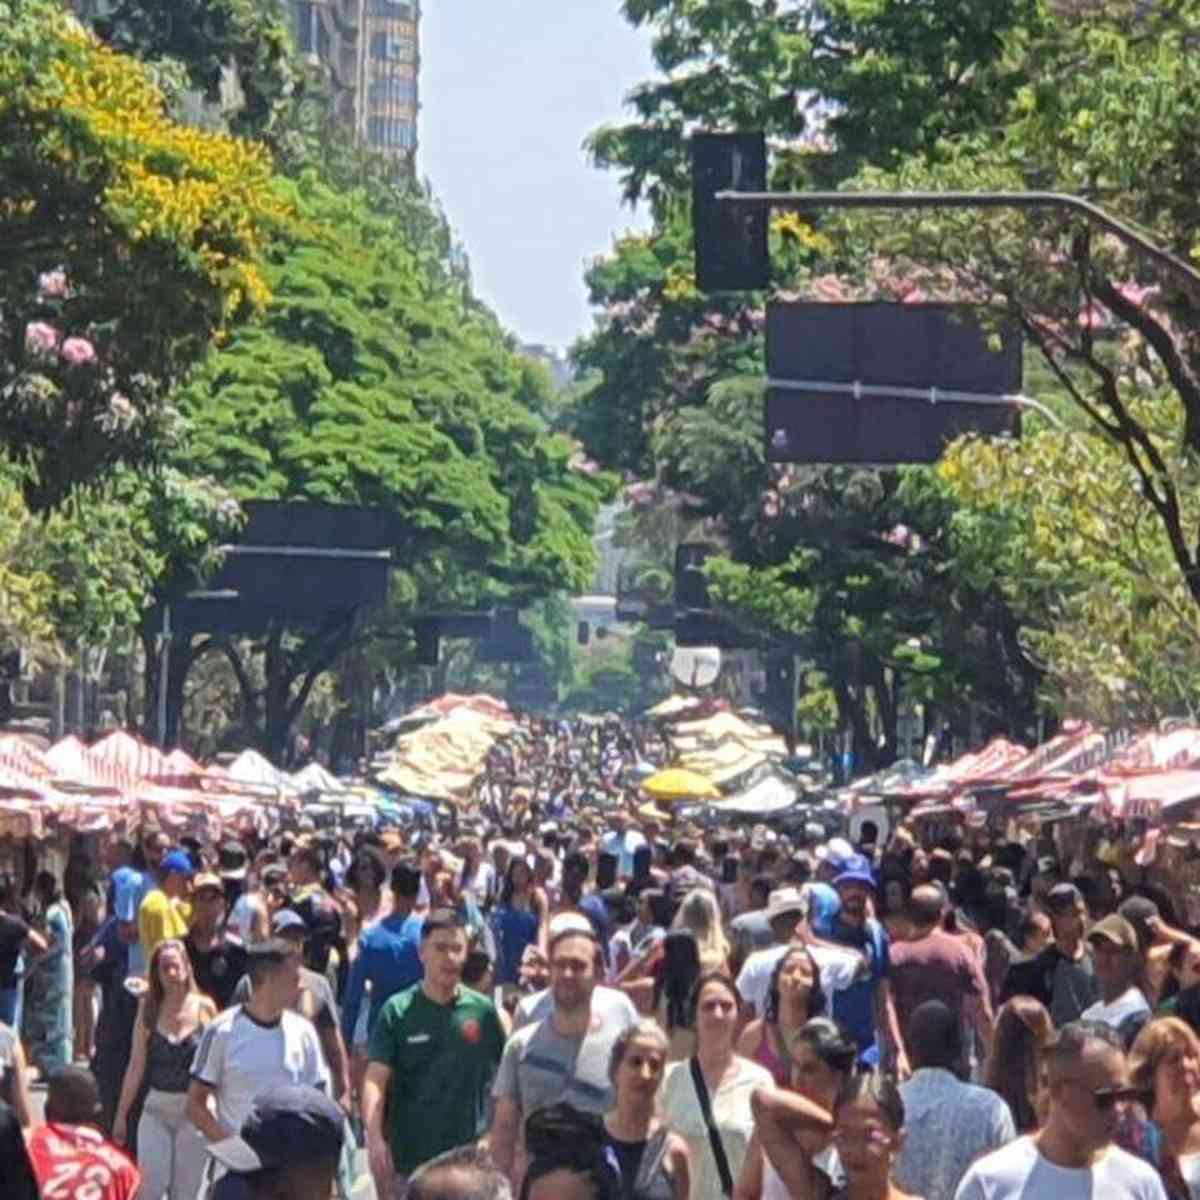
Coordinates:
(159, 919)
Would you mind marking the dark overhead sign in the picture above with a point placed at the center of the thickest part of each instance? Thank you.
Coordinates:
(842, 379)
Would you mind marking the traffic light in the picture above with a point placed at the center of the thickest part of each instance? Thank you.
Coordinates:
(730, 239)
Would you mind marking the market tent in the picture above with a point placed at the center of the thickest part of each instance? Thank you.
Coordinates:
(768, 796)
(250, 767)
(315, 778)
(673, 705)
(680, 784)
(67, 759)
(120, 760)
(1171, 748)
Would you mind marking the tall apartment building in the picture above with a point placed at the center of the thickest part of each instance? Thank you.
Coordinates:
(371, 51)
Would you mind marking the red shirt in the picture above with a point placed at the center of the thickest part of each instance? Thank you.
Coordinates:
(74, 1162)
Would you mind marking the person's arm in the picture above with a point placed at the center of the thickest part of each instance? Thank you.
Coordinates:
(19, 1087)
(978, 1006)
(506, 1128)
(748, 1039)
(260, 922)
(338, 1060)
(749, 1183)
(133, 1077)
(681, 1168)
(541, 906)
(889, 1026)
(780, 1118)
(35, 942)
(201, 1115)
(374, 1106)
(356, 987)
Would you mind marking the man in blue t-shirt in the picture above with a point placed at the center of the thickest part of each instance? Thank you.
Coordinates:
(388, 953)
(866, 1008)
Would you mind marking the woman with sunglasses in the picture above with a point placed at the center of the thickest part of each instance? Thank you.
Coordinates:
(793, 999)
(793, 1127)
(1164, 1064)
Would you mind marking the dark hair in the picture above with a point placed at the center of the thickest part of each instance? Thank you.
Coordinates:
(681, 969)
(510, 885)
(710, 977)
(1027, 924)
(310, 855)
(561, 1138)
(662, 910)
(73, 1097)
(370, 863)
(442, 920)
(576, 865)
(816, 994)
(1014, 1065)
(879, 1089)
(762, 885)
(868, 833)
(406, 879)
(934, 1037)
(475, 966)
(830, 1043)
(643, 857)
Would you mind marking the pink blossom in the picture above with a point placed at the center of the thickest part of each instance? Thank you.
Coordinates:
(78, 351)
(830, 289)
(1091, 316)
(41, 337)
(53, 284)
(1135, 293)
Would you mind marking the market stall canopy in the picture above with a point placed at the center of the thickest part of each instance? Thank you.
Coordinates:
(672, 706)
(769, 795)
(676, 783)
(67, 759)
(121, 760)
(251, 767)
(315, 778)
(1167, 748)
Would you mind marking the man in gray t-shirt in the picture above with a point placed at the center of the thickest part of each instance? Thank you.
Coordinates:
(562, 1057)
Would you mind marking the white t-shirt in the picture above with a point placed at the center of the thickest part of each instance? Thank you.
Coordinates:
(839, 968)
(1018, 1172)
(240, 1058)
(1128, 1004)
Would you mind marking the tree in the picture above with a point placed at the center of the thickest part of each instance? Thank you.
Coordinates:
(372, 382)
(128, 243)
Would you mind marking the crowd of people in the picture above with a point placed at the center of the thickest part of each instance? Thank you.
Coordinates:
(562, 993)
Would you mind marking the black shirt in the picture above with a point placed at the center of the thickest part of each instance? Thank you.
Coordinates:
(218, 970)
(13, 932)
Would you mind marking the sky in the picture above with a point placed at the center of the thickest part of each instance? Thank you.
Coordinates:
(509, 91)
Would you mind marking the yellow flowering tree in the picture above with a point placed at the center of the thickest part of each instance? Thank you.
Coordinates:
(128, 244)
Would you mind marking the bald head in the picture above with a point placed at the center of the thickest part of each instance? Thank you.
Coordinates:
(925, 905)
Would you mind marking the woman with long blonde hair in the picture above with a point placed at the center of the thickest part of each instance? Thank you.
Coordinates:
(170, 1019)
(701, 917)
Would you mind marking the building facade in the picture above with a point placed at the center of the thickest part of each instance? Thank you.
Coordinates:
(371, 52)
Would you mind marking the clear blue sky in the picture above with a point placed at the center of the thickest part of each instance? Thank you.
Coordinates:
(509, 90)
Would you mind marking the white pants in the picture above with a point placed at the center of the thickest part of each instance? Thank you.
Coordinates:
(171, 1151)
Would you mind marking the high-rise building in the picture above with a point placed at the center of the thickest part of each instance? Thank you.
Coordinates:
(371, 51)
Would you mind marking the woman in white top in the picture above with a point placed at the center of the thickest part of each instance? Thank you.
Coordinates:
(729, 1081)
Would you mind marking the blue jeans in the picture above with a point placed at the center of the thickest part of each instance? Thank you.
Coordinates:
(11, 1003)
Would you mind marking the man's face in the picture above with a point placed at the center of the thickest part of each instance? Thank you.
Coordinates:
(1089, 1098)
(208, 908)
(442, 955)
(156, 850)
(854, 898)
(1114, 965)
(573, 972)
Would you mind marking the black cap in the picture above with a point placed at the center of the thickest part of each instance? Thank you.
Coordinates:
(272, 952)
(291, 1125)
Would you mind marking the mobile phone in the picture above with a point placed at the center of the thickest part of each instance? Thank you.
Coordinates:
(606, 870)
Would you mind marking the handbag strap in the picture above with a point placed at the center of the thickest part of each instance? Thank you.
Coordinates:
(714, 1134)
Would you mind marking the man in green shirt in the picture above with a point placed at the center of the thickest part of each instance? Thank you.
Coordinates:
(433, 1052)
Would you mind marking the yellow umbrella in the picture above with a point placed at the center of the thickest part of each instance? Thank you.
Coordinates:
(679, 784)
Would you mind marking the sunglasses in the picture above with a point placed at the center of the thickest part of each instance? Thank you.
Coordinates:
(1105, 1099)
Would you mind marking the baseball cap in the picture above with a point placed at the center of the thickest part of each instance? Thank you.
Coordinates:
(783, 901)
(287, 918)
(178, 863)
(207, 880)
(1063, 896)
(1139, 911)
(291, 1125)
(855, 869)
(232, 859)
(1114, 928)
